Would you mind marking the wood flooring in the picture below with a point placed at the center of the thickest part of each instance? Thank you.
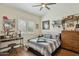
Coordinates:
(18, 52)
(63, 52)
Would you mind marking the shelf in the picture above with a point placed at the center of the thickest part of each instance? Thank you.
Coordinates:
(11, 39)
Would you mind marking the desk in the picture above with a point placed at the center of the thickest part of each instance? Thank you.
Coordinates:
(11, 44)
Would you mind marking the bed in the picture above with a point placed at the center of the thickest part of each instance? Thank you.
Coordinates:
(44, 46)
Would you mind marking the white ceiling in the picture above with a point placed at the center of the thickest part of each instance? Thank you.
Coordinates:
(64, 9)
(58, 9)
(28, 7)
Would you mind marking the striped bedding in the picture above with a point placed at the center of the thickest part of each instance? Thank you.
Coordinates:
(45, 48)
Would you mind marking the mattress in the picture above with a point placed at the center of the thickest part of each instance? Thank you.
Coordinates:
(44, 47)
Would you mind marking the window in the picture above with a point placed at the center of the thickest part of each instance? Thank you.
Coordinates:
(26, 26)
(30, 26)
(22, 25)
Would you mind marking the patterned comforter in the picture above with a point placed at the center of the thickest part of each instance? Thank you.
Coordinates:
(45, 47)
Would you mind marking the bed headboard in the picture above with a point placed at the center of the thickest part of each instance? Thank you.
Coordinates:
(70, 40)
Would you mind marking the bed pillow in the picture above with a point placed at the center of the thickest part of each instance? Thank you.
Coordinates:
(49, 36)
(41, 40)
(33, 40)
(55, 36)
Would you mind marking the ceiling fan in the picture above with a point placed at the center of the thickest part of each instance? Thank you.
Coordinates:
(44, 5)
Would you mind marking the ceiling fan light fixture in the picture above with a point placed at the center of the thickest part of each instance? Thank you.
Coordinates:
(43, 5)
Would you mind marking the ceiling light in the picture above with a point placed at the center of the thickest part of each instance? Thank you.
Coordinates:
(43, 5)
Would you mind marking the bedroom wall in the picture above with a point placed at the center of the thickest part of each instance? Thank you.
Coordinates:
(58, 11)
(52, 30)
(19, 14)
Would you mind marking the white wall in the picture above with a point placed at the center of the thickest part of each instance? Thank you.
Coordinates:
(18, 14)
(57, 12)
(52, 30)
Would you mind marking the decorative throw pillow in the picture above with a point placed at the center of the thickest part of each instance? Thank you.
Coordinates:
(41, 40)
(33, 40)
(49, 36)
(55, 36)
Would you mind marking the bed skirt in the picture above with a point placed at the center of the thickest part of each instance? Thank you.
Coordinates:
(39, 54)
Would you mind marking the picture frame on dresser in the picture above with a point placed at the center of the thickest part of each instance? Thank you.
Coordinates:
(77, 27)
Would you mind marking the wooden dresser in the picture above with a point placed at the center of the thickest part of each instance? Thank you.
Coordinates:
(70, 40)
(69, 44)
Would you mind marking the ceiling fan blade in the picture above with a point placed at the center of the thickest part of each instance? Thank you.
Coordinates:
(41, 8)
(47, 7)
(50, 3)
(36, 5)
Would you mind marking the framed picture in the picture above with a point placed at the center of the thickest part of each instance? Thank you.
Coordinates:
(77, 25)
(8, 24)
(37, 26)
(46, 25)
